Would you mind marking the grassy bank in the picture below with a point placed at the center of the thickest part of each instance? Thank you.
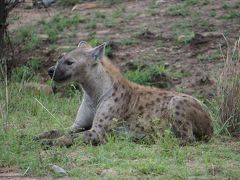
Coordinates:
(31, 113)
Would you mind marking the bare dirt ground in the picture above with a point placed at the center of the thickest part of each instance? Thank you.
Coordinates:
(156, 32)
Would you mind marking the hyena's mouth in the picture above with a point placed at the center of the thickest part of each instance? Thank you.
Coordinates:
(61, 79)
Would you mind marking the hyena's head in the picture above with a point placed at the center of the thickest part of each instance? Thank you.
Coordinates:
(77, 64)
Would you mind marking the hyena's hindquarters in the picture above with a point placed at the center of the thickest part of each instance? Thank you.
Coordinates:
(189, 119)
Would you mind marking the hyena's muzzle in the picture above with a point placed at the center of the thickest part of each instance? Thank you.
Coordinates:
(59, 73)
(51, 71)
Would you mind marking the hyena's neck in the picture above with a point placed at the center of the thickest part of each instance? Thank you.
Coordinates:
(97, 85)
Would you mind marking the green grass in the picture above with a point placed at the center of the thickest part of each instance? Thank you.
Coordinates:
(231, 15)
(29, 36)
(92, 24)
(94, 41)
(111, 2)
(153, 8)
(183, 32)
(60, 24)
(109, 20)
(184, 7)
(214, 56)
(165, 159)
(35, 63)
(231, 11)
(28, 71)
(129, 41)
(154, 75)
(178, 10)
(69, 2)
(22, 73)
(195, 2)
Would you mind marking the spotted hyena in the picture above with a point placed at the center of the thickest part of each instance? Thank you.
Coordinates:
(110, 100)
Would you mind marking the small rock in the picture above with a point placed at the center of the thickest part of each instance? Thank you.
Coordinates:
(58, 170)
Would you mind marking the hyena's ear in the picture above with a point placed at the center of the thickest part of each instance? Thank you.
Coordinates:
(83, 44)
(98, 52)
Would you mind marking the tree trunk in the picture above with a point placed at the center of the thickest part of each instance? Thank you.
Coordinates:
(3, 18)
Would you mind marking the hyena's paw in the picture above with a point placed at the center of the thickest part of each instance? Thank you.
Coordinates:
(49, 135)
(63, 141)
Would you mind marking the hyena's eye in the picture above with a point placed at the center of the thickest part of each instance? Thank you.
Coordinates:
(69, 62)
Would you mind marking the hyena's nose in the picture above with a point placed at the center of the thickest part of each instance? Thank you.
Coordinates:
(51, 71)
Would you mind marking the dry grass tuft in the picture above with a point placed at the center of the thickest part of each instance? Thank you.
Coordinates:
(229, 91)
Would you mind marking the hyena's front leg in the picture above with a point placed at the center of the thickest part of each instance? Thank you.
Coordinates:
(103, 122)
(65, 140)
(82, 122)
(49, 135)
